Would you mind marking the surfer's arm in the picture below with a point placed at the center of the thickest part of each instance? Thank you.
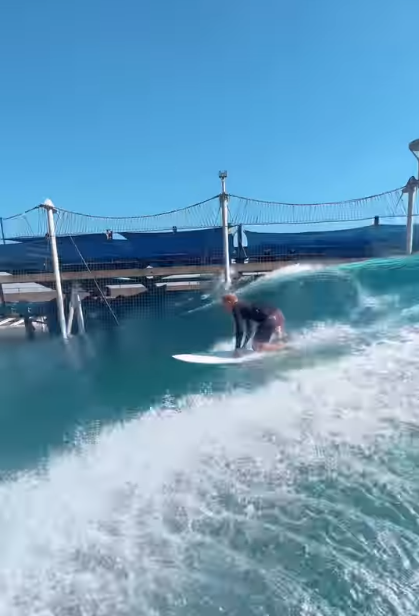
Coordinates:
(238, 328)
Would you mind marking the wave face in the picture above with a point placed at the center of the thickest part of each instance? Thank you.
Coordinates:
(136, 485)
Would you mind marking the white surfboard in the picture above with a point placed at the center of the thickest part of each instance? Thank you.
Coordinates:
(219, 357)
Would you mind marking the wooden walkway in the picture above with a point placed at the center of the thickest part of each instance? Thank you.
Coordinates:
(237, 269)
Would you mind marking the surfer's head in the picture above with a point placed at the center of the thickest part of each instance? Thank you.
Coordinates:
(229, 301)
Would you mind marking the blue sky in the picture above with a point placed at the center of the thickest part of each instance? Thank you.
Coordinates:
(125, 108)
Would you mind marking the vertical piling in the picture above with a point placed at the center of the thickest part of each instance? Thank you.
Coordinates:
(410, 189)
(2, 299)
(224, 217)
(50, 210)
(76, 308)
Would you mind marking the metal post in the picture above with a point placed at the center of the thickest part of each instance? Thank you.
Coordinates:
(79, 310)
(70, 312)
(50, 209)
(76, 308)
(224, 214)
(409, 222)
(2, 300)
(410, 189)
(2, 231)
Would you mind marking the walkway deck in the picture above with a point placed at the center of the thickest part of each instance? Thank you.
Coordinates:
(166, 272)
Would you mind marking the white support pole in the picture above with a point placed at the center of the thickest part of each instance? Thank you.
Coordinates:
(2, 300)
(76, 309)
(50, 210)
(70, 312)
(79, 310)
(224, 215)
(410, 189)
(409, 222)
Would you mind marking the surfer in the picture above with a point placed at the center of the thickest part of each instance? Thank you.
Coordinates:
(261, 322)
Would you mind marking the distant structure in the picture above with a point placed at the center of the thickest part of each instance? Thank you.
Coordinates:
(78, 265)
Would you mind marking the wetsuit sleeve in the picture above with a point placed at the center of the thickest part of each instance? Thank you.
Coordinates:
(238, 326)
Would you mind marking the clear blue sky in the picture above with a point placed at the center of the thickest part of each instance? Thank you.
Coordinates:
(132, 107)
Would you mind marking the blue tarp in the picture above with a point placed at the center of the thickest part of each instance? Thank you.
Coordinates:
(205, 244)
(363, 242)
(32, 256)
(93, 247)
(141, 249)
(65, 239)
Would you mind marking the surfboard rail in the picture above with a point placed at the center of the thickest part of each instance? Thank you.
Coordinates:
(218, 357)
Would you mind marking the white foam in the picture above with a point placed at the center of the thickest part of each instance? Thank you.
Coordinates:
(309, 338)
(223, 345)
(107, 526)
(284, 272)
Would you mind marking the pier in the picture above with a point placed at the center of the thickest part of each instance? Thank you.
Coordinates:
(165, 273)
(78, 262)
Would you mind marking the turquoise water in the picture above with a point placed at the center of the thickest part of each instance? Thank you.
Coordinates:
(133, 484)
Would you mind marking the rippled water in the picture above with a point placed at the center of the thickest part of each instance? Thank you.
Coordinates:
(136, 485)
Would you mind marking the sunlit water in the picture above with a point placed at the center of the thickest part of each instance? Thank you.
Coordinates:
(136, 485)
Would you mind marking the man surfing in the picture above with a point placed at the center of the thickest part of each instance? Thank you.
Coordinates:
(258, 321)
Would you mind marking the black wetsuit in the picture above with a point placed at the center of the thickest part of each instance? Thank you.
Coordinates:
(268, 319)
